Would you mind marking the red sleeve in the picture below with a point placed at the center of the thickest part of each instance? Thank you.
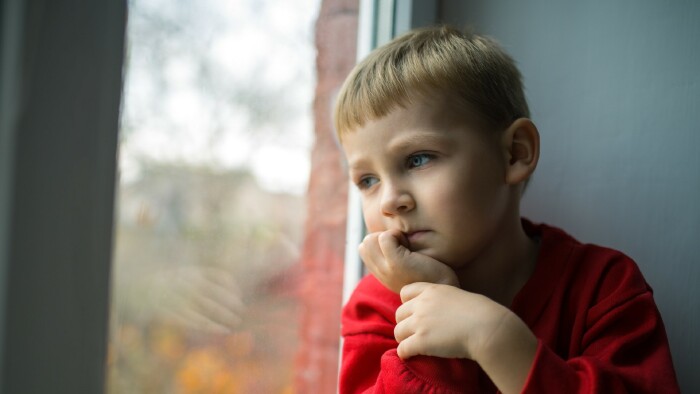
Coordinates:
(370, 363)
(622, 345)
(626, 352)
(367, 330)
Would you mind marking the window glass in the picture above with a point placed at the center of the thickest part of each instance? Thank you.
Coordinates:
(214, 158)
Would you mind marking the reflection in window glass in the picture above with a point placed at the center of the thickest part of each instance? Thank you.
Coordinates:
(214, 160)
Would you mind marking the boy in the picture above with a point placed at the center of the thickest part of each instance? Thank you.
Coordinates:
(464, 295)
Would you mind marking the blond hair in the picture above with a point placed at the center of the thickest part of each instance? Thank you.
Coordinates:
(470, 70)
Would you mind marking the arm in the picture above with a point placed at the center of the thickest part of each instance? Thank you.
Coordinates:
(616, 342)
(625, 350)
(622, 346)
(361, 368)
(445, 321)
(367, 329)
(445, 330)
(370, 363)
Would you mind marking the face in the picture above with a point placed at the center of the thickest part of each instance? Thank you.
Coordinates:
(425, 172)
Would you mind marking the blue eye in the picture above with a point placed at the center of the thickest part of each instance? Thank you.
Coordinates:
(419, 160)
(367, 182)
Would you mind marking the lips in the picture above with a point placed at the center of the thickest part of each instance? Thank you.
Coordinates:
(415, 236)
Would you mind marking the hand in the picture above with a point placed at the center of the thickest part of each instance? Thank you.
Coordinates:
(388, 258)
(445, 321)
(199, 299)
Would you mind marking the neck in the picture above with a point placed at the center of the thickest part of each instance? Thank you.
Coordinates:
(505, 266)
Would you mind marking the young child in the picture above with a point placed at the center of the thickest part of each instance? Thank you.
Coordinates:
(464, 295)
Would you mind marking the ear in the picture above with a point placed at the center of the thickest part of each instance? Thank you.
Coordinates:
(521, 144)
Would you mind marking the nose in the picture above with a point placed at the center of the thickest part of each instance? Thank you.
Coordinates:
(396, 201)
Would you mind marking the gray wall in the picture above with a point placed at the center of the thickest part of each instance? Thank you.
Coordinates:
(614, 87)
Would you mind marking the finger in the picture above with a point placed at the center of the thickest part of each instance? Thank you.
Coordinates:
(403, 330)
(370, 253)
(390, 246)
(403, 312)
(409, 347)
(399, 236)
(413, 290)
(370, 241)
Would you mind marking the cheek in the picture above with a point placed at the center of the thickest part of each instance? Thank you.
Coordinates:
(449, 190)
(462, 202)
(373, 219)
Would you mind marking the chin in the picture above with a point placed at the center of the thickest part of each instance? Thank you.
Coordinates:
(455, 263)
(435, 255)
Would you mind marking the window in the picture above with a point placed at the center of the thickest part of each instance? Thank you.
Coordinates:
(214, 154)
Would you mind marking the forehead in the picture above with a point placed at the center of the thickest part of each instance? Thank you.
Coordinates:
(419, 124)
(428, 107)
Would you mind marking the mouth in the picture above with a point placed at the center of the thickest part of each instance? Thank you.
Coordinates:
(415, 236)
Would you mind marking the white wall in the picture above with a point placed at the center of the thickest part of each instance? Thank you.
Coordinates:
(614, 87)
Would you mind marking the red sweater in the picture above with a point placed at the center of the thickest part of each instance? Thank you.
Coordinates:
(594, 315)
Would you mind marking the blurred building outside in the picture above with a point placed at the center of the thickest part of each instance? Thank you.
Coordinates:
(227, 272)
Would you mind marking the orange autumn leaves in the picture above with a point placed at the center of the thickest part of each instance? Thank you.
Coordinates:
(230, 363)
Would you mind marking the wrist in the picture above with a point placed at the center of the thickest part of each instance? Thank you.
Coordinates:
(508, 356)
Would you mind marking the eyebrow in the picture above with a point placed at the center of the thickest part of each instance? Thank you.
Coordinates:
(420, 138)
(358, 167)
(359, 163)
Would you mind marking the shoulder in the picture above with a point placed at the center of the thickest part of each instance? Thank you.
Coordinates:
(610, 278)
(371, 308)
(600, 272)
(614, 269)
(576, 287)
